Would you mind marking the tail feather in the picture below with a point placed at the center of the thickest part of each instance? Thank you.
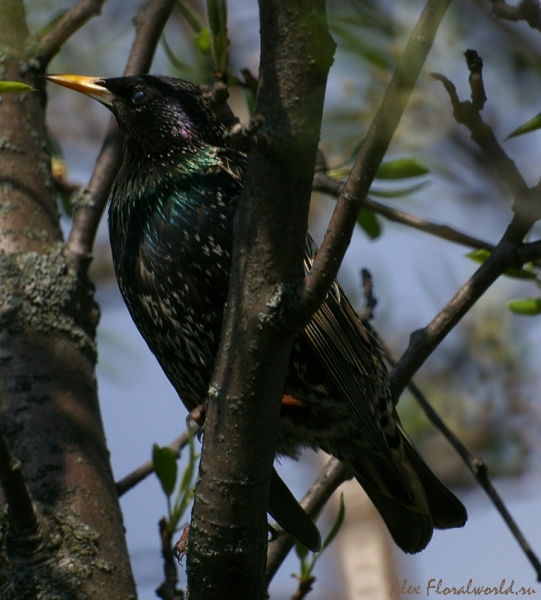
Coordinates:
(409, 524)
(410, 498)
(288, 513)
(446, 509)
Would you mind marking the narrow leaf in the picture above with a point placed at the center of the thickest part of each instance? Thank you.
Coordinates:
(480, 256)
(173, 58)
(51, 23)
(165, 466)
(9, 87)
(190, 16)
(337, 524)
(401, 168)
(369, 222)
(217, 16)
(301, 550)
(531, 125)
(401, 192)
(527, 307)
(186, 487)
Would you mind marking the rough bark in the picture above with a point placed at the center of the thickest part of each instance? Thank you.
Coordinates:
(226, 557)
(49, 413)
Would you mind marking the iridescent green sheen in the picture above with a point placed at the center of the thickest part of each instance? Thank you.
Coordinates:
(171, 223)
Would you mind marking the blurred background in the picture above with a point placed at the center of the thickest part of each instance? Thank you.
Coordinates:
(484, 379)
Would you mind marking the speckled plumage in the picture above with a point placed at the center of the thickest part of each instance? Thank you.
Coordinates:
(171, 217)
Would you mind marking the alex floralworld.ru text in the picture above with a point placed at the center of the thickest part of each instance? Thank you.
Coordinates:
(436, 586)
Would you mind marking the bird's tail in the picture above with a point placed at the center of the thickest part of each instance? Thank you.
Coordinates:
(411, 499)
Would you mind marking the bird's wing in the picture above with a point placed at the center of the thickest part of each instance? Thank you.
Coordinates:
(352, 358)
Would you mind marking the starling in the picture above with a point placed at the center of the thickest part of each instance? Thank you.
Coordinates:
(171, 230)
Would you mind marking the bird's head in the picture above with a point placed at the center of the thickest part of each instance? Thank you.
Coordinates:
(157, 111)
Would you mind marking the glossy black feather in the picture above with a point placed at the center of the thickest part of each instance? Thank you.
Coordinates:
(171, 216)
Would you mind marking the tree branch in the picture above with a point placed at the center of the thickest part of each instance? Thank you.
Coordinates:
(325, 184)
(168, 589)
(92, 200)
(51, 43)
(338, 234)
(527, 210)
(530, 252)
(477, 467)
(527, 10)
(228, 532)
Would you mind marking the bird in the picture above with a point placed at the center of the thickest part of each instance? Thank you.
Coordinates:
(171, 215)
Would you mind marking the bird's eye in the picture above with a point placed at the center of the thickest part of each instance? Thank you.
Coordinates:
(138, 98)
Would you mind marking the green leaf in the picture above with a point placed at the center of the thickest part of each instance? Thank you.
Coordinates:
(173, 58)
(190, 16)
(9, 87)
(217, 16)
(374, 51)
(307, 566)
(337, 524)
(481, 255)
(400, 192)
(301, 550)
(51, 23)
(186, 487)
(203, 42)
(531, 125)
(401, 168)
(369, 222)
(339, 173)
(527, 307)
(165, 466)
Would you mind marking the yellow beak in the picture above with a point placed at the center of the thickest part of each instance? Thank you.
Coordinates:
(90, 86)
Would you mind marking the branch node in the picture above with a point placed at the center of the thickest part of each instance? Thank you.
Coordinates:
(250, 137)
(475, 66)
(528, 11)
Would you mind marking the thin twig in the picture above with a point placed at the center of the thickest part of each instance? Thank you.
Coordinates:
(530, 252)
(424, 341)
(479, 470)
(466, 114)
(527, 210)
(330, 478)
(305, 587)
(476, 466)
(475, 65)
(168, 589)
(324, 183)
(528, 11)
(149, 25)
(51, 43)
(25, 534)
(137, 475)
(380, 133)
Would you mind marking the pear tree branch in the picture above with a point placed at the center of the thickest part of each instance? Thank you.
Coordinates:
(526, 211)
(353, 195)
(325, 184)
(74, 18)
(91, 201)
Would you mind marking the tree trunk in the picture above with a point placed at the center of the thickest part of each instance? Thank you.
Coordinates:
(49, 412)
(226, 555)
